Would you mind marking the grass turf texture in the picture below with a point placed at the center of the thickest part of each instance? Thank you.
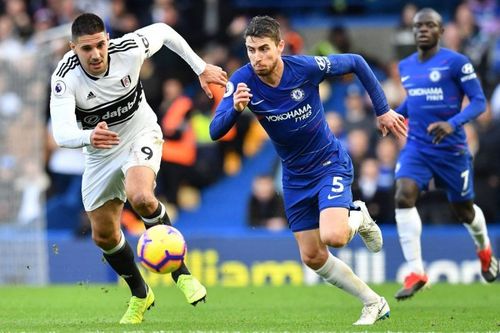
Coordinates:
(98, 308)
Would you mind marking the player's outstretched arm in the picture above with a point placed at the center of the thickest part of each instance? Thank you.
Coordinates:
(354, 63)
(212, 74)
(393, 122)
(156, 35)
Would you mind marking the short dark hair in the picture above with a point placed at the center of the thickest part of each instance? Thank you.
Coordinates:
(264, 26)
(431, 12)
(86, 24)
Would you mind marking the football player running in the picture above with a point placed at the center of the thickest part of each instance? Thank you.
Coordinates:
(97, 102)
(283, 93)
(436, 80)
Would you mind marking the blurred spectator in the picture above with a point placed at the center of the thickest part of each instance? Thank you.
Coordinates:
(17, 11)
(334, 90)
(235, 32)
(336, 124)
(387, 153)
(65, 10)
(475, 43)
(393, 89)
(378, 201)
(487, 166)
(179, 148)
(64, 197)
(358, 146)
(167, 63)
(451, 37)
(210, 159)
(32, 184)
(10, 44)
(338, 41)
(43, 19)
(294, 42)
(152, 85)
(403, 41)
(495, 103)
(9, 195)
(120, 20)
(486, 14)
(357, 115)
(265, 206)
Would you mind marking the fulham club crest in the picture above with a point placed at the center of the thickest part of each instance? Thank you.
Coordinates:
(126, 81)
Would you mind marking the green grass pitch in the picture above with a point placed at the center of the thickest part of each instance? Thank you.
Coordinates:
(321, 308)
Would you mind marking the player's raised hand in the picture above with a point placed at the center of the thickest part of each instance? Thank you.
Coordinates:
(102, 137)
(241, 97)
(212, 74)
(439, 130)
(393, 122)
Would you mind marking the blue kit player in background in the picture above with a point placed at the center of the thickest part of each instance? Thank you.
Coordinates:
(282, 92)
(436, 80)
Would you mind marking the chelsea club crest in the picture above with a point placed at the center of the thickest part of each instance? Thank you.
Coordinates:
(297, 94)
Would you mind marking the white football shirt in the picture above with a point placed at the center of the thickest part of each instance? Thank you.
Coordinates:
(79, 101)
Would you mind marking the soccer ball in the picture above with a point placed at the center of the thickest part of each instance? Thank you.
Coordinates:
(161, 249)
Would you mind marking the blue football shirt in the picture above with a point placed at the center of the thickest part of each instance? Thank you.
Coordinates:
(435, 92)
(292, 113)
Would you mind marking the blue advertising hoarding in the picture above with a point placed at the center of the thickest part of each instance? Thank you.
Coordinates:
(259, 258)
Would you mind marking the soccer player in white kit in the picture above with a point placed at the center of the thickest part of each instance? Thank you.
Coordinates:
(97, 102)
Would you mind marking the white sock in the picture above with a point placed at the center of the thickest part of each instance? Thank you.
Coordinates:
(477, 229)
(354, 221)
(336, 272)
(409, 230)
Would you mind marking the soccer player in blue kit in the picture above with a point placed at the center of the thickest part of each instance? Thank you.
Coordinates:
(282, 91)
(436, 80)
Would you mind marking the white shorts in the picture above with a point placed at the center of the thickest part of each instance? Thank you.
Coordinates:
(104, 177)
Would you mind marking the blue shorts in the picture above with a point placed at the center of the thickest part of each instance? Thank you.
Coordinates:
(303, 205)
(451, 171)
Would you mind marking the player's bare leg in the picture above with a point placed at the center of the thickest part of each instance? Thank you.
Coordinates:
(314, 253)
(139, 186)
(107, 234)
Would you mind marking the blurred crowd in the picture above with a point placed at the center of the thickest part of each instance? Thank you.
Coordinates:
(191, 161)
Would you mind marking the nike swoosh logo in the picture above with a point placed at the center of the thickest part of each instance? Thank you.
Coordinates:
(330, 197)
(256, 103)
(404, 78)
